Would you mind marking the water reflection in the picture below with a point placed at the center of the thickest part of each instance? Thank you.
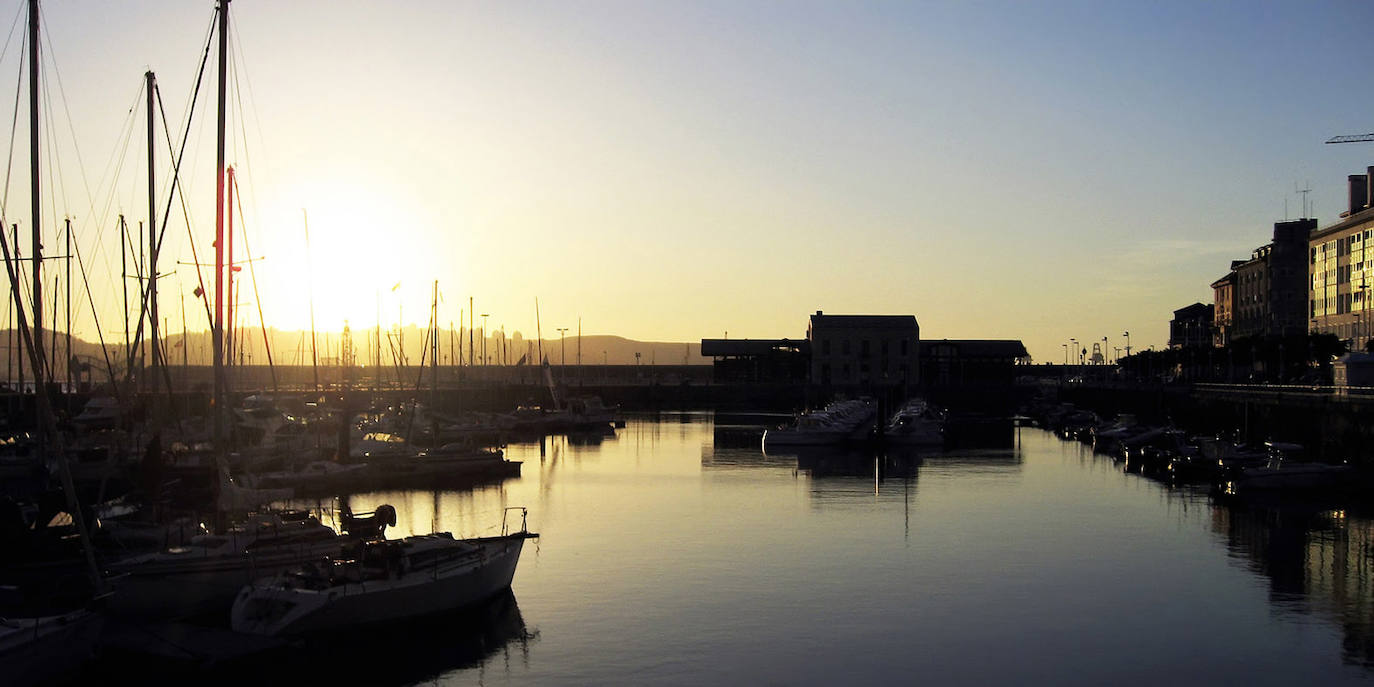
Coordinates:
(1067, 565)
(1318, 560)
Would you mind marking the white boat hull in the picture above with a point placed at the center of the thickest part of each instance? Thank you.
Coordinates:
(271, 609)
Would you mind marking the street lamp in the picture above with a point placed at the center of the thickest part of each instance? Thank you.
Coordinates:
(1364, 305)
(562, 348)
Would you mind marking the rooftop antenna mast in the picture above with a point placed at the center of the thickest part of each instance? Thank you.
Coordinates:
(1303, 192)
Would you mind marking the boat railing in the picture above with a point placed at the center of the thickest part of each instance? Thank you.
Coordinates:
(505, 516)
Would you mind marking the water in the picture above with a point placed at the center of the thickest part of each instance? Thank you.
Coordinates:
(676, 553)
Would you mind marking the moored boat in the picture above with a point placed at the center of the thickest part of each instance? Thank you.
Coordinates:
(381, 582)
(206, 573)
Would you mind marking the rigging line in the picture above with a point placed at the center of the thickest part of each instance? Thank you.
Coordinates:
(52, 123)
(9, 167)
(117, 158)
(10, 37)
(100, 333)
(253, 276)
(176, 178)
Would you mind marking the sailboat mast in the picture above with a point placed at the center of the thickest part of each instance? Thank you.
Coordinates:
(35, 218)
(310, 277)
(434, 350)
(229, 272)
(19, 340)
(150, 84)
(68, 366)
(217, 335)
(124, 281)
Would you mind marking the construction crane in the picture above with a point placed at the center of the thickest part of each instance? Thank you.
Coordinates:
(1357, 138)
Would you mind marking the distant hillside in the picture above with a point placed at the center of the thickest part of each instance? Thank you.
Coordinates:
(293, 348)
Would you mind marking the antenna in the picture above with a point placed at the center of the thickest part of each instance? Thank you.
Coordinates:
(1303, 192)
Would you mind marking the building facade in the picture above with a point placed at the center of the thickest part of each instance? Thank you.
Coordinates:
(1223, 309)
(760, 361)
(1192, 326)
(1342, 269)
(971, 362)
(1269, 291)
(864, 349)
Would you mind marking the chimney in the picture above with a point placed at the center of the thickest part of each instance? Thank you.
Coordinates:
(1359, 192)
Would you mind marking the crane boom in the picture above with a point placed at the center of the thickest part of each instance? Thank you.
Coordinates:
(1357, 138)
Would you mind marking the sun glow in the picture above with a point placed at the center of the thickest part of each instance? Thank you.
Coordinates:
(353, 257)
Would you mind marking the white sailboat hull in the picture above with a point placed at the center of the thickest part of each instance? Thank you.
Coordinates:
(271, 609)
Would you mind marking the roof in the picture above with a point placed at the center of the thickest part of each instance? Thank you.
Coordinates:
(980, 348)
(726, 347)
(866, 321)
(1351, 221)
(1192, 310)
(1230, 278)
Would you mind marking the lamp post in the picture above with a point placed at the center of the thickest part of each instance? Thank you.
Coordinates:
(562, 348)
(1364, 305)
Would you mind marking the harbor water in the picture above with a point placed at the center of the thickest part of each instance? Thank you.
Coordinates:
(678, 552)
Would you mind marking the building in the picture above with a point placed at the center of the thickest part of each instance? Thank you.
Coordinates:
(863, 349)
(1223, 309)
(1341, 269)
(1192, 326)
(971, 362)
(758, 360)
(1269, 290)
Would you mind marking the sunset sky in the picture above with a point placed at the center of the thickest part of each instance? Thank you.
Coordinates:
(672, 171)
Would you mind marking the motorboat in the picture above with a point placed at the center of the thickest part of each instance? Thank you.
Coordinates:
(833, 424)
(315, 476)
(1288, 471)
(381, 582)
(916, 423)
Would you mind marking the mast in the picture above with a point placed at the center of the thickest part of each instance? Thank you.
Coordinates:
(68, 258)
(217, 405)
(36, 209)
(229, 272)
(434, 357)
(310, 277)
(151, 83)
(19, 340)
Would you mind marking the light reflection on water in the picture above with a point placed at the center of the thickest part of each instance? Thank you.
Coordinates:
(677, 553)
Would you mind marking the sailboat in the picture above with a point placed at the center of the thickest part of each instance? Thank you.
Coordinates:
(382, 581)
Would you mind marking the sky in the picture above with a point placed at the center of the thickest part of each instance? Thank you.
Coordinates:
(673, 171)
